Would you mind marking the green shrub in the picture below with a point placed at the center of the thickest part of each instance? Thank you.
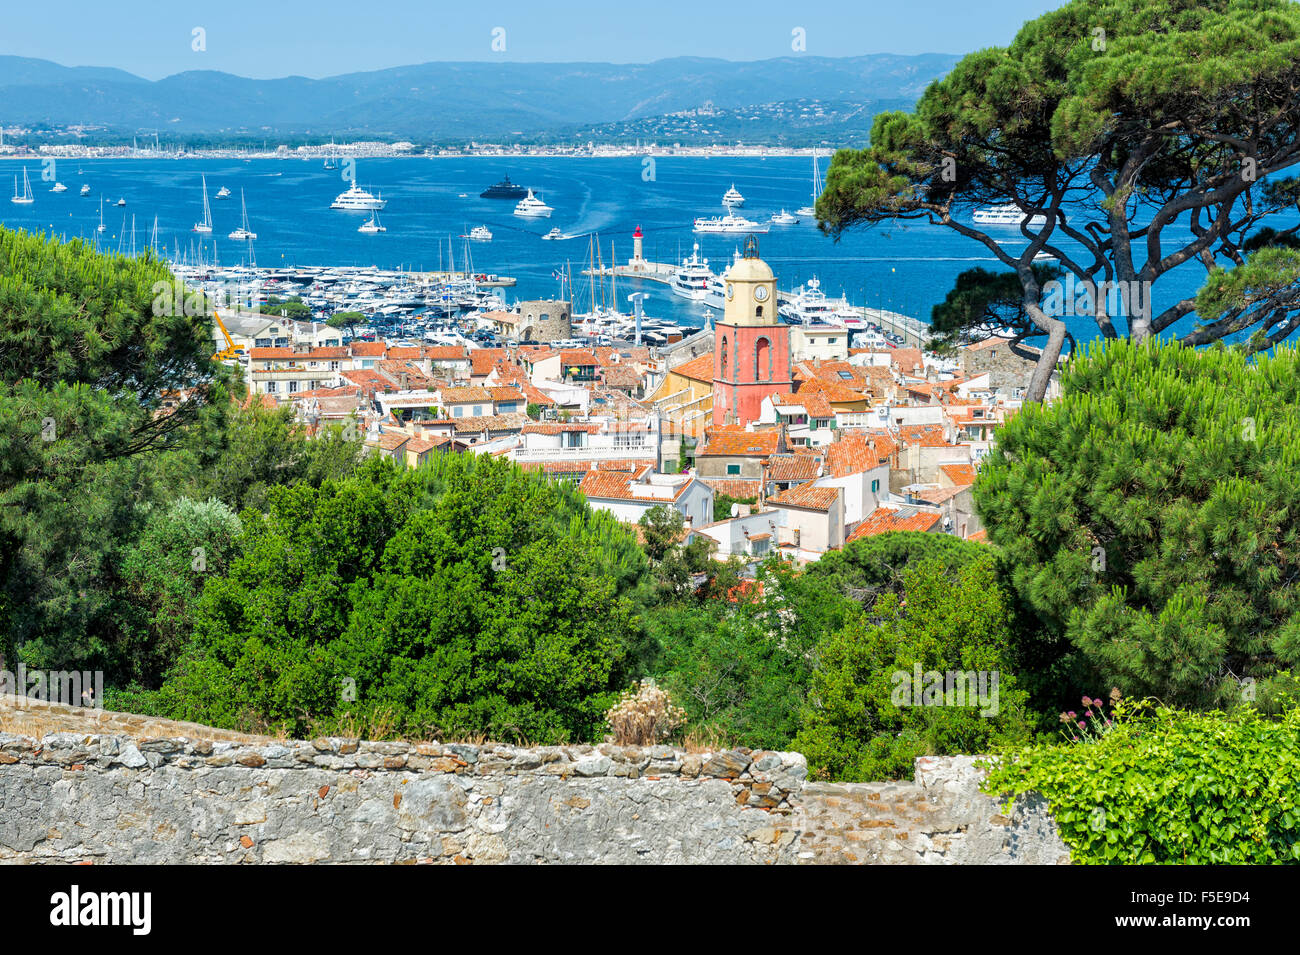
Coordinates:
(1163, 785)
(463, 599)
(869, 715)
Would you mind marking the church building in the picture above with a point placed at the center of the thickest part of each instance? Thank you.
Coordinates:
(751, 346)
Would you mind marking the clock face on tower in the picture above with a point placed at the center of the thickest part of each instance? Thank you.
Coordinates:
(760, 294)
(731, 291)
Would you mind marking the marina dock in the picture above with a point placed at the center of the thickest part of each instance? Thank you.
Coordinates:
(913, 331)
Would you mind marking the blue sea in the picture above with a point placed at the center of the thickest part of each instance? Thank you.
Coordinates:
(905, 267)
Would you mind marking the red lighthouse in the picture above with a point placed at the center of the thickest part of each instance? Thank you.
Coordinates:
(751, 347)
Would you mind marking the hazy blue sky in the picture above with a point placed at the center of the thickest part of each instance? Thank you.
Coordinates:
(267, 38)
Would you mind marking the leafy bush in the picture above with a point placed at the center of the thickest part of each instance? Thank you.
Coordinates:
(1163, 785)
(164, 570)
(740, 663)
(872, 708)
(465, 599)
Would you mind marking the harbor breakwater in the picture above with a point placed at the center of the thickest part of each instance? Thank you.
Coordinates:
(106, 798)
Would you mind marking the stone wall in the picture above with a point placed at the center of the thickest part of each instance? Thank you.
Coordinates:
(72, 797)
(30, 717)
(941, 817)
(91, 797)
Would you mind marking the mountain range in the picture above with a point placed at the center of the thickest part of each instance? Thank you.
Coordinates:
(443, 101)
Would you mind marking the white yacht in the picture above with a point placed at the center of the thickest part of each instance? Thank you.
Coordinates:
(810, 211)
(691, 281)
(732, 197)
(729, 223)
(530, 207)
(481, 233)
(810, 306)
(784, 218)
(357, 199)
(102, 227)
(121, 202)
(371, 225)
(24, 198)
(59, 187)
(555, 233)
(1010, 214)
(223, 193)
(243, 232)
(85, 189)
(204, 227)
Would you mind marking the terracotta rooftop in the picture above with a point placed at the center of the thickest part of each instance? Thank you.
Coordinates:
(548, 428)
(389, 440)
(445, 353)
(807, 496)
(697, 369)
(937, 495)
(737, 443)
(851, 454)
(457, 395)
(733, 487)
(793, 468)
(959, 473)
(883, 520)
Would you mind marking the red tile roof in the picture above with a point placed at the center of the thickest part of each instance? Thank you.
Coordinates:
(807, 496)
(734, 487)
(883, 520)
(577, 356)
(697, 369)
(458, 395)
(608, 484)
(937, 495)
(368, 349)
(793, 468)
(728, 442)
(851, 454)
(548, 428)
(959, 473)
(926, 435)
(445, 352)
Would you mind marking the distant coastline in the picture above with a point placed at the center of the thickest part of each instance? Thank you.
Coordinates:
(376, 150)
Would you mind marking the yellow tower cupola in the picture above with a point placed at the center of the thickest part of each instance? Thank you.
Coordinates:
(750, 289)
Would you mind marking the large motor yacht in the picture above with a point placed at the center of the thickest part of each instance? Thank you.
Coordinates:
(357, 199)
(1009, 214)
(530, 207)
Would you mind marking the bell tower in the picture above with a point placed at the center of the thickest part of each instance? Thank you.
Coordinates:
(751, 346)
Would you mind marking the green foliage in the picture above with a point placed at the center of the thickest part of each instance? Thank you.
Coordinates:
(292, 309)
(87, 365)
(1143, 110)
(455, 600)
(722, 504)
(740, 661)
(1148, 518)
(259, 448)
(868, 715)
(1170, 786)
(163, 572)
(982, 303)
(348, 320)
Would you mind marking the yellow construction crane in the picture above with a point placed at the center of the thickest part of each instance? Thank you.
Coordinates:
(230, 351)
